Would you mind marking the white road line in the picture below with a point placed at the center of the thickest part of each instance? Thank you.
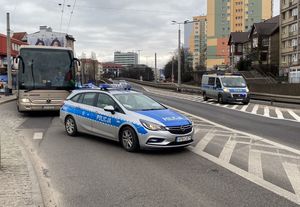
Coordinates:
(254, 164)
(294, 115)
(293, 174)
(227, 150)
(225, 106)
(244, 108)
(279, 113)
(266, 111)
(38, 135)
(254, 110)
(204, 141)
(235, 106)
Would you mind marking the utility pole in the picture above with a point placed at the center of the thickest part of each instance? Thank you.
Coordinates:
(155, 72)
(8, 46)
(179, 57)
(172, 69)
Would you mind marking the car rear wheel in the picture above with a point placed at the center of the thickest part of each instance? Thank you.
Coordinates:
(129, 139)
(70, 126)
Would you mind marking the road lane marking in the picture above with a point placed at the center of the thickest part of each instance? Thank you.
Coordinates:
(235, 106)
(279, 113)
(244, 108)
(204, 141)
(294, 115)
(255, 108)
(257, 175)
(255, 164)
(293, 174)
(227, 150)
(266, 111)
(38, 135)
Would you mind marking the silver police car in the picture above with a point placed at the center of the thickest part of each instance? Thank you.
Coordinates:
(129, 117)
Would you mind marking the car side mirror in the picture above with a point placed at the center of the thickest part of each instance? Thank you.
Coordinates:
(110, 109)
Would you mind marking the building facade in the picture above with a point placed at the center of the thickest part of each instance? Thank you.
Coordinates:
(126, 58)
(199, 41)
(47, 37)
(289, 36)
(226, 16)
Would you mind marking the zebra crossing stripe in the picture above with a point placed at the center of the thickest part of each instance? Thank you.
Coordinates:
(294, 115)
(228, 150)
(234, 107)
(255, 108)
(266, 111)
(204, 142)
(244, 108)
(279, 113)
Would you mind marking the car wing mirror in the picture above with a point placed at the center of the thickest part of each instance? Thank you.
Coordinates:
(110, 109)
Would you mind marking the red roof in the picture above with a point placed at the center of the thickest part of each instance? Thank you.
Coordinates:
(19, 35)
(3, 51)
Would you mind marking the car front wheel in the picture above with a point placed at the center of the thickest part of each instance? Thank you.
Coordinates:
(129, 139)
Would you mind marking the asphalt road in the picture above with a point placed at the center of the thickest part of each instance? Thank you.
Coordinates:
(281, 131)
(90, 171)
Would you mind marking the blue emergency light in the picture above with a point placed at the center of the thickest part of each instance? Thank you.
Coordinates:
(106, 87)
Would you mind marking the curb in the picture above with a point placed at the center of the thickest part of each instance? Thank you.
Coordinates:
(7, 101)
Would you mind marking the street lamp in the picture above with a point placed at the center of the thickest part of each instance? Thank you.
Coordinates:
(179, 47)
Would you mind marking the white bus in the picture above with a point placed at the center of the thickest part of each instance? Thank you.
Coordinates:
(46, 76)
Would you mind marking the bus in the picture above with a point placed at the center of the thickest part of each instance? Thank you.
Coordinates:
(46, 76)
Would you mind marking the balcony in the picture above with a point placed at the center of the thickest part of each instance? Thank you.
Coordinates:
(288, 5)
(288, 49)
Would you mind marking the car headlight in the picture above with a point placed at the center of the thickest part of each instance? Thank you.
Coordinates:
(25, 100)
(226, 90)
(247, 90)
(152, 126)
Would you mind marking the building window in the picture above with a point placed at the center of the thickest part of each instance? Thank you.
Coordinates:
(265, 42)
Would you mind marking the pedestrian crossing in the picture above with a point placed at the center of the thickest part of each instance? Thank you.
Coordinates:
(254, 109)
(269, 164)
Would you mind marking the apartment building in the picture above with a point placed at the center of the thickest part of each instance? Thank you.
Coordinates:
(289, 36)
(226, 16)
(126, 58)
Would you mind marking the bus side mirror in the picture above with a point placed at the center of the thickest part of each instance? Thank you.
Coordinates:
(15, 63)
(17, 60)
(77, 61)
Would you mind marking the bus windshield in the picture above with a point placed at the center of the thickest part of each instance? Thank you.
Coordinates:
(46, 69)
(234, 82)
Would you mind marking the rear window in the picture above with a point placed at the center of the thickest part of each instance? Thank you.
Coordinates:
(211, 81)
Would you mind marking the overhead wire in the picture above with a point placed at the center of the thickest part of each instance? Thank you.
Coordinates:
(71, 15)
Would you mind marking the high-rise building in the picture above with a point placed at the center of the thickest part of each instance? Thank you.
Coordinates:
(226, 16)
(290, 34)
(199, 41)
(126, 58)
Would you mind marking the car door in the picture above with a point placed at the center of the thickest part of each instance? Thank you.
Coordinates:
(211, 90)
(84, 111)
(105, 123)
(218, 87)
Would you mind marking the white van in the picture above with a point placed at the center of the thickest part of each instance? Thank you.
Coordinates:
(225, 88)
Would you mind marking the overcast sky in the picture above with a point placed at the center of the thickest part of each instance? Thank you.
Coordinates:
(107, 26)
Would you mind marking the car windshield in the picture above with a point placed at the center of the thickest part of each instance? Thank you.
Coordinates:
(46, 69)
(138, 102)
(233, 82)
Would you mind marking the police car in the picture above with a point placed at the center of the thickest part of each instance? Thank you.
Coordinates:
(226, 88)
(126, 116)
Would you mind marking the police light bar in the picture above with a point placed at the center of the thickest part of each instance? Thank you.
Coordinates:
(106, 87)
(90, 85)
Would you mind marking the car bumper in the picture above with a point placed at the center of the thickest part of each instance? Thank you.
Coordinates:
(38, 107)
(236, 97)
(169, 140)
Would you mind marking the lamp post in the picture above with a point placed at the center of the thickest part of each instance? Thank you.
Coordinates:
(179, 47)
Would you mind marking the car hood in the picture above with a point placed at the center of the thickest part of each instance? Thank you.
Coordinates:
(167, 117)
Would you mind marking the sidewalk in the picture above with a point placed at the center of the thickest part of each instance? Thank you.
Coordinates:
(5, 99)
(18, 183)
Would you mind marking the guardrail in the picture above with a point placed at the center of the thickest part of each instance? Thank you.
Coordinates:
(193, 89)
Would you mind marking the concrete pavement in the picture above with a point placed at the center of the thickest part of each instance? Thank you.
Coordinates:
(19, 184)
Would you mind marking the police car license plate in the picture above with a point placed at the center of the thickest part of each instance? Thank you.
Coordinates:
(48, 107)
(184, 139)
